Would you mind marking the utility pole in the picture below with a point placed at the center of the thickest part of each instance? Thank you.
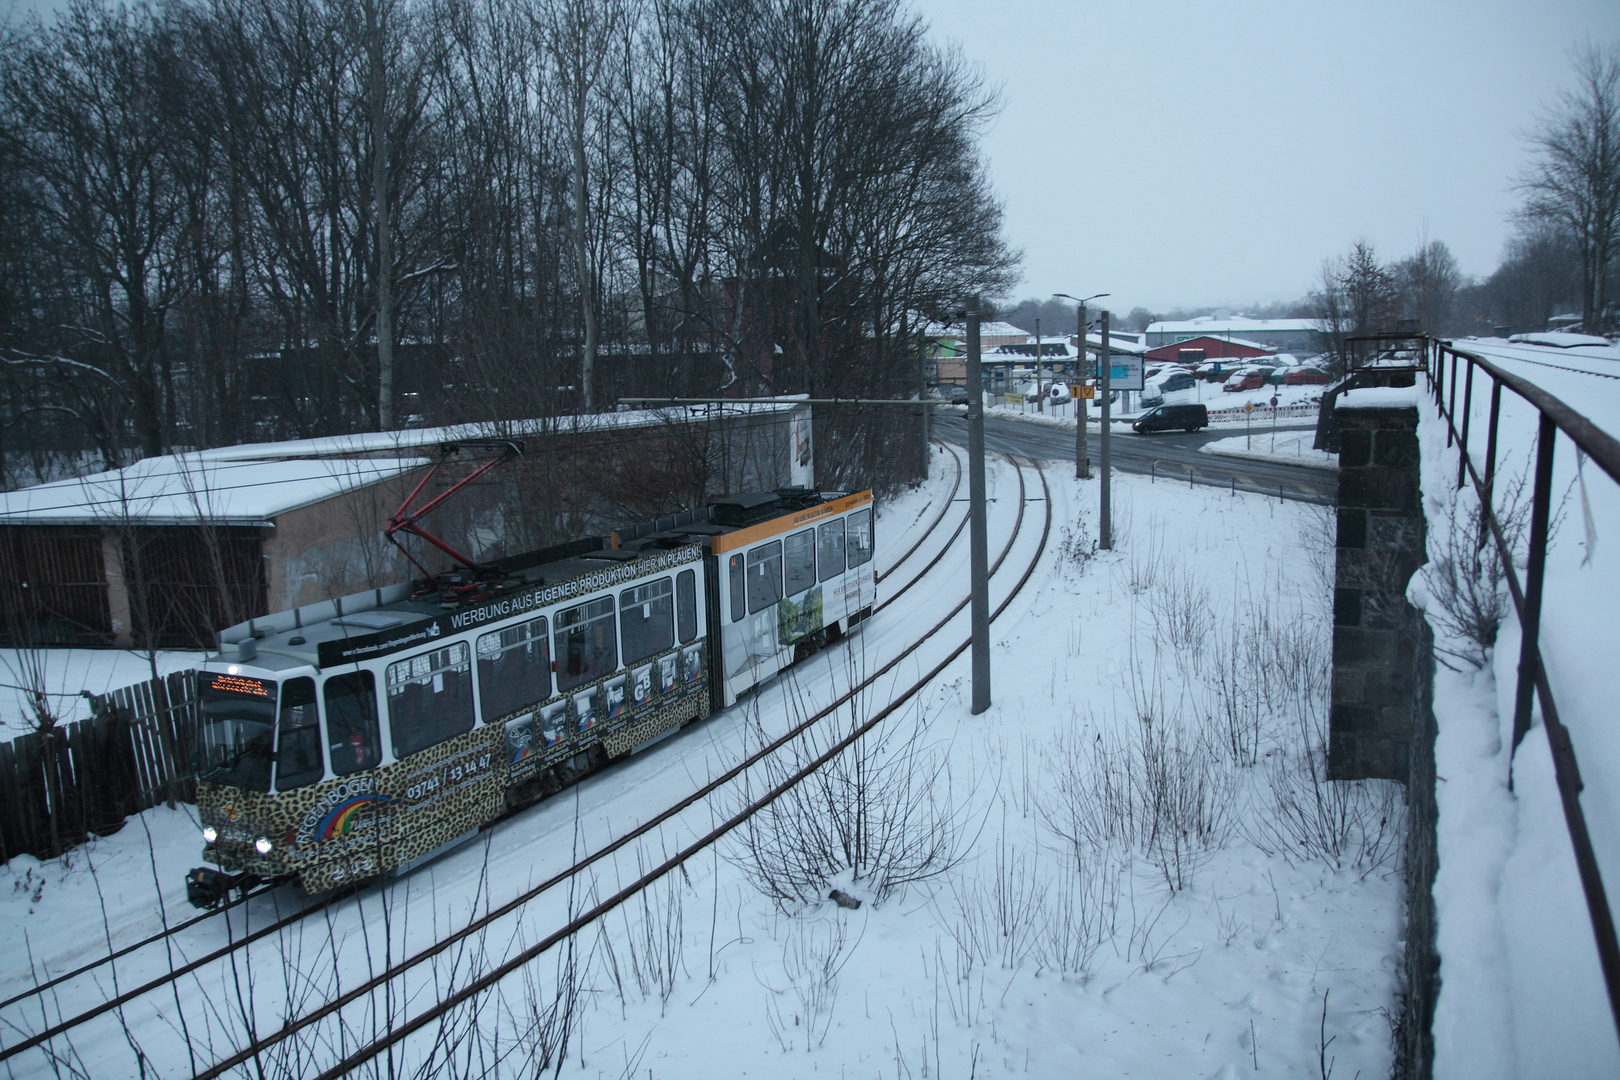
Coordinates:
(978, 539)
(1040, 393)
(1082, 463)
(1105, 523)
(922, 393)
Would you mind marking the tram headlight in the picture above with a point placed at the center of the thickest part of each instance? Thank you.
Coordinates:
(210, 834)
(262, 845)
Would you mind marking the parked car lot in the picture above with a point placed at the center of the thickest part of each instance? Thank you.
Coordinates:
(1305, 376)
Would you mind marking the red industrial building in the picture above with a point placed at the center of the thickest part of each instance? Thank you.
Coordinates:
(1197, 350)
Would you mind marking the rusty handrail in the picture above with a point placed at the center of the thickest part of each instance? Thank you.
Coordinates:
(1555, 416)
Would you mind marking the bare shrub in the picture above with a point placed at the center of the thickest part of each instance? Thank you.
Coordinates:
(1182, 615)
(653, 939)
(812, 956)
(1465, 576)
(1267, 664)
(1355, 825)
(883, 810)
(1160, 790)
(999, 921)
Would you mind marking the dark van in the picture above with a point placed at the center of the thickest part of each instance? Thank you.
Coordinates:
(1173, 417)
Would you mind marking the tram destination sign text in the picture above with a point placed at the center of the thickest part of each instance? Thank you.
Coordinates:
(366, 646)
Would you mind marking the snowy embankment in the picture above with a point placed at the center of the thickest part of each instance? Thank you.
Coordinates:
(1283, 446)
(1521, 991)
(1129, 865)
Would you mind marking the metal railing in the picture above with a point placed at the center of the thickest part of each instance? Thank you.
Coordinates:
(1445, 364)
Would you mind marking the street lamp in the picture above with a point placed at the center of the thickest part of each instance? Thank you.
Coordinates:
(1082, 465)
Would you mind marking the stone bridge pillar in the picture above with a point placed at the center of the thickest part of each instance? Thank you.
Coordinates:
(1380, 643)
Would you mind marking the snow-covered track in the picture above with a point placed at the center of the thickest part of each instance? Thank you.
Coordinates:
(897, 701)
(122, 997)
(318, 904)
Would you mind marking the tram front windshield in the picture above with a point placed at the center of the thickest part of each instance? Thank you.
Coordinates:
(238, 730)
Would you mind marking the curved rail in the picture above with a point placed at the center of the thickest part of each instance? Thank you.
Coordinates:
(366, 988)
(277, 925)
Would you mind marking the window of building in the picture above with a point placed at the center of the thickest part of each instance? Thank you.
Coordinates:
(587, 643)
(799, 561)
(430, 698)
(351, 722)
(764, 576)
(859, 526)
(298, 743)
(831, 554)
(647, 619)
(514, 669)
(686, 623)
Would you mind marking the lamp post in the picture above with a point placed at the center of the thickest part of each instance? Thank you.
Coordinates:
(1082, 464)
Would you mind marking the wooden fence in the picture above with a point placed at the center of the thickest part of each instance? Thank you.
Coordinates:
(134, 752)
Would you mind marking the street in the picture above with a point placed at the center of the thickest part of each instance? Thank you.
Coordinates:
(1169, 456)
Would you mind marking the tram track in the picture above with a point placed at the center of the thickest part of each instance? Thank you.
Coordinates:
(483, 922)
(168, 933)
(586, 918)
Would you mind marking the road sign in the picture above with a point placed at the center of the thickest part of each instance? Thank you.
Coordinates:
(1086, 391)
(1249, 407)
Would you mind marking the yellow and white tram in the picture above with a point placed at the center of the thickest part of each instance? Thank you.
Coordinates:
(362, 735)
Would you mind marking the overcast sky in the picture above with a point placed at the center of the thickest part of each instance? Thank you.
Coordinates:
(1215, 153)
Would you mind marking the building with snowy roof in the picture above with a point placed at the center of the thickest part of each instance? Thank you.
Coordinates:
(1196, 350)
(1299, 336)
(166, 551)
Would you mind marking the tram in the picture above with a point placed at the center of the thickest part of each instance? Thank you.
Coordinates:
(364, 735)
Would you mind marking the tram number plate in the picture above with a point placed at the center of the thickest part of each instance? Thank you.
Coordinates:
(449, 776)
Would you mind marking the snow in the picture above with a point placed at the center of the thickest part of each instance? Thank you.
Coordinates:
(1286, 447)
(71, 674)
(1379, 397)
(1521, 990)
(1237, 324)
(1243, 970)
(1558, 339)
(184, 488)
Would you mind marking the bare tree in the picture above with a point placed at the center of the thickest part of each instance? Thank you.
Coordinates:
(1575, 181)
(1427, 281)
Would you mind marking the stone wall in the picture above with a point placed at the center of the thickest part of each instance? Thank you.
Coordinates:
(1376, 633)
(1382, 722)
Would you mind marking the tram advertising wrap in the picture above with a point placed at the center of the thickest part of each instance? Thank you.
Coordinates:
(361, 736)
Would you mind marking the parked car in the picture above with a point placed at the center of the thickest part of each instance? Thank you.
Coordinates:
(1057, 393)
(1216, 370)
(1172, 417)
(1305, 376)
(1249, 378)
(956, 395)
(1276, 376)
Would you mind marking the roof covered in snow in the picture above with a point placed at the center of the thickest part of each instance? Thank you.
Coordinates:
(1236, 324)
(179, 489)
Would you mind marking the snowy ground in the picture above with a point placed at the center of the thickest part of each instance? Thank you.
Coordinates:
(71, 674)
(1521, 990)
(1288, 447)
(1055, 933)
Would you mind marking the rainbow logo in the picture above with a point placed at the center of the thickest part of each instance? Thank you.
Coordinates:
(341, 818)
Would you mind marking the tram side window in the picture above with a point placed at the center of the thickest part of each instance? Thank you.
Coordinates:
(686, 605)
(799, 561)
(831, 555)
(860, 537)
(298, 745)
(351, 722)
(587, 646)
(764, 576)
(514, 669)
(647, 619)
(430, 698)
(738, 590)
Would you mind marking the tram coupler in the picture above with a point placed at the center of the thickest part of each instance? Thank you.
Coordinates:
(207, 888)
